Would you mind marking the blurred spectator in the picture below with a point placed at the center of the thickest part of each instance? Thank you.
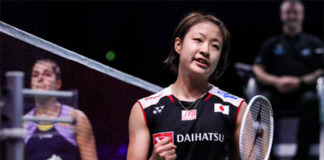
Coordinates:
(56, 141)
(287, 68)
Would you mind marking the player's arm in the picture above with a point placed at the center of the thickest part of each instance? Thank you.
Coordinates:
(85, 137)
(139, 140)
(238, 128)
(139, 136)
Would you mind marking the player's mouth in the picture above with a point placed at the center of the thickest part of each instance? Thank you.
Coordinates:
(201, 62)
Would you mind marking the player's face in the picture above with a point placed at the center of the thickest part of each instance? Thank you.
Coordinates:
(43, 77)
(292, 15)
(200, 49)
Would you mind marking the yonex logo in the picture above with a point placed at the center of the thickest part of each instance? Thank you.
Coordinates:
(158, 109)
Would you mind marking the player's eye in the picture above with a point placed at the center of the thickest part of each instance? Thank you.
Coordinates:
(197, 40)
(216, 46)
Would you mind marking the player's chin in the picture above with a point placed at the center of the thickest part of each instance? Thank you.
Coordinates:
(202, 72)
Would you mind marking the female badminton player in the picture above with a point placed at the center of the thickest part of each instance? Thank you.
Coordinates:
(191, 118)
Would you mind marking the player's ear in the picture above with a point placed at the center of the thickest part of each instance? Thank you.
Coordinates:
(177, 45)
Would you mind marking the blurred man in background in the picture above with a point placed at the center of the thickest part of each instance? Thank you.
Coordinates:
(287, 69)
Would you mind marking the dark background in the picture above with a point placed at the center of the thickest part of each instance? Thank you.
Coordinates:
(139, 32)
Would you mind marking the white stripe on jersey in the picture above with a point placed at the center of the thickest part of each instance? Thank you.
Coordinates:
(155, 98)
(226, 97)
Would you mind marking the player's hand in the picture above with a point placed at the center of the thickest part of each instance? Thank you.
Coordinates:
(164, 150)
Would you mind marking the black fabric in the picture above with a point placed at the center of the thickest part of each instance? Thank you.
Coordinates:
(297, 56)
(44, 145)
(215, 129)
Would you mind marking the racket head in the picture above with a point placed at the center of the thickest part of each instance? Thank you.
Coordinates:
(256, 134)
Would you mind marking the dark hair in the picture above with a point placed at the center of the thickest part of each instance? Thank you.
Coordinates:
(56, 69)
(183, 27)
(292, 2)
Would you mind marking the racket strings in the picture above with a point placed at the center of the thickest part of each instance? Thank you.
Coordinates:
(257, 131)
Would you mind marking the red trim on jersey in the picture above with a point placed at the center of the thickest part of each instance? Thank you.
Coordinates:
(209, 95)
(143, 112)
(238, 110)
(170, 97)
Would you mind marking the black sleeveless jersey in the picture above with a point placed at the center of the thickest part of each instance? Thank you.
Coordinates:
(206, 132)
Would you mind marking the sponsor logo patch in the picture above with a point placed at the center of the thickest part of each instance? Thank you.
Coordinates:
(306, 52)
(319, 50)
(279, 50)
(188, 115)
(157, 137)
(158, 109)
(221, 108)
(55, 157)
(226, 95)
(44, 136)
(153, 97)
(200, 137)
